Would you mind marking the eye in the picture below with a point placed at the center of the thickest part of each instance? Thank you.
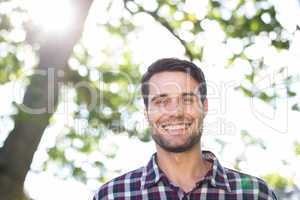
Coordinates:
(188, 100)
(161, 101)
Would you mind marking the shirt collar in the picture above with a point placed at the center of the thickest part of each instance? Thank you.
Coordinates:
(151, 173)
(217, 177)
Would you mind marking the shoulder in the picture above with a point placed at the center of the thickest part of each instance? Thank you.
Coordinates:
(248, 183)
(127, 182)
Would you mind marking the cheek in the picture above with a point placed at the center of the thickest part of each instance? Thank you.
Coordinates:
(196, 115)
(193, 111)
(196, 110)
(153, 117)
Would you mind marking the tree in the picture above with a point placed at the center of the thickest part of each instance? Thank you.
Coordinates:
(19, 147)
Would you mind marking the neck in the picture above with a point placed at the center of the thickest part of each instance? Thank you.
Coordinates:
(183, 169)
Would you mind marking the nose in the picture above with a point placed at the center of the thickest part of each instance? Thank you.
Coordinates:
(175, 107)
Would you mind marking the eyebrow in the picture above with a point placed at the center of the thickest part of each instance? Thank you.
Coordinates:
(188, 94)
(158, 96)
(165, 95)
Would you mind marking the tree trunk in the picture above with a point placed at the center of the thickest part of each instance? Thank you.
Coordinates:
(18, 150)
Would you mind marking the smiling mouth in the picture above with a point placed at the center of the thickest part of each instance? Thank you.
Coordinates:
(176, 126)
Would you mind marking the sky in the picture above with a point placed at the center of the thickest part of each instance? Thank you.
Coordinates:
(229, 112)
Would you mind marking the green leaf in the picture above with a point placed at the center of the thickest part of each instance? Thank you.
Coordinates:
(297, 148)
(247, 92)
(296, 107)
(281, 44)
(263, 96)
(277, 181)
(291, 93)
(250, 77)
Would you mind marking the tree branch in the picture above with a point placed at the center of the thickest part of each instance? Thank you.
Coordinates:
(165, 24)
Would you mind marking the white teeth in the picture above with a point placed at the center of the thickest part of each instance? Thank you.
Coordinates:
(175, 126)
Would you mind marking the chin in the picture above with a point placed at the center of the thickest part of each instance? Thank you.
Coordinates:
(189, 144)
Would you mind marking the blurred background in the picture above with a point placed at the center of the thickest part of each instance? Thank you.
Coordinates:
(71, 114)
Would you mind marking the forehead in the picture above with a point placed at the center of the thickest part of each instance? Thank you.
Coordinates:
(172, 82)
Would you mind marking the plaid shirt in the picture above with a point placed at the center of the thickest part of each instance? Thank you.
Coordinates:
(219, 183)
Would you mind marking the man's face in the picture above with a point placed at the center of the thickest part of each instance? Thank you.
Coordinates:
(175, 112)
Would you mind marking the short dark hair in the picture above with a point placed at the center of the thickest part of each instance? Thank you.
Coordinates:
(174, 64)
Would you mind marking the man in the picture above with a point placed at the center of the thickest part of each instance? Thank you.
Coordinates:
(174, 93)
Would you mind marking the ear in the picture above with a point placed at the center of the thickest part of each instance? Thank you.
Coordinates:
(146, 114)
(205, 106)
